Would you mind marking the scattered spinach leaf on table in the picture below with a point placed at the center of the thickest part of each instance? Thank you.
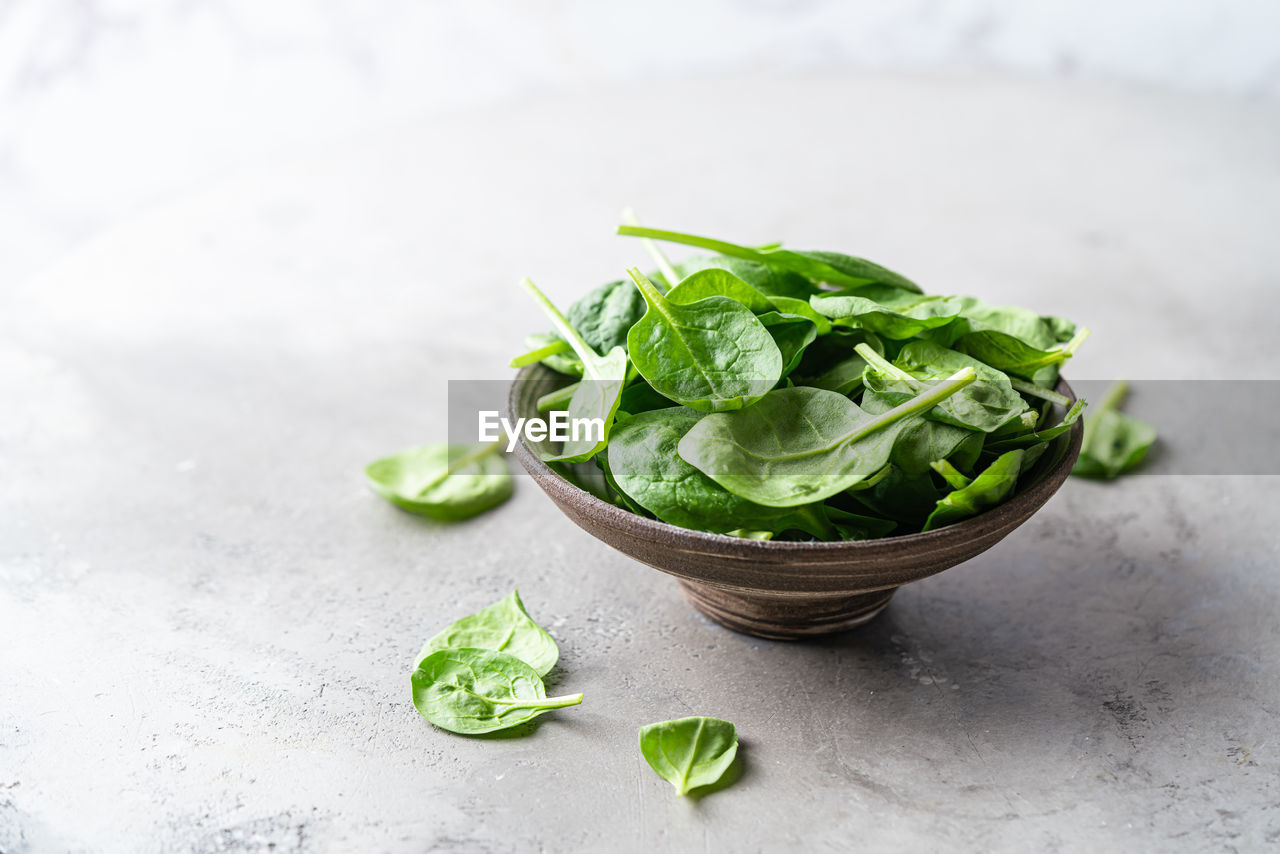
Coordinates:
(504, 626)
(689, 753)
(1113, 442)
(445, 482)
(472, 691)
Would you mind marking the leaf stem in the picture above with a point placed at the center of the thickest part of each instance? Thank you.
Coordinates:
(664, 266)
(555, 348)
(548, 703)
(731, 249)
(1033, 390)
(873, 480)
(884, 366)
(554, 399)
(1060, 354)
(950, 474)
(1112, 400)
(590, 358)
(922, 402)
(651, 294)
(1076, 340)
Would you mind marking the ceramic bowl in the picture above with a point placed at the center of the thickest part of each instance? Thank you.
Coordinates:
(787, 590)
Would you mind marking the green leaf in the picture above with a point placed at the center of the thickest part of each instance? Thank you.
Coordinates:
(1113, 442)
(770, 282)
(988, 489)
(714, 283)
(597, 396)
(545, 351)
(605, 314)
(642, 397)
(644, 463)
(788, 305)
(986, 405)
(892, 312)
(710, 355)
(919, 442)
(1034, 437)
(445, 482)
(566, 363)
(689, 752)
(832, 268)
(1011, 339)
(800, 445)
(473, 691)
(792, 333)
(504, 626)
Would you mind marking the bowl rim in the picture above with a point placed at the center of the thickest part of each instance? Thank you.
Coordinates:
(1035, 495)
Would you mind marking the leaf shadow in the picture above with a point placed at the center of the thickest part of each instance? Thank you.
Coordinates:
(523, 730)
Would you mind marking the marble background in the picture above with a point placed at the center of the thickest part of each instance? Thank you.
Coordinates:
(108, 107)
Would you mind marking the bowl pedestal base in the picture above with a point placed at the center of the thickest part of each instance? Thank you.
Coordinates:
(786, 617)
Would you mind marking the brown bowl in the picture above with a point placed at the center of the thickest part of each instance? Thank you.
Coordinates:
(780, 589)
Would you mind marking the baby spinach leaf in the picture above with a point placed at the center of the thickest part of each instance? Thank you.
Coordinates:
(604, 315)
(715, 283)
(832, 363)
(597, 396)
(690, 752)
(833, 268)
(445, 482)
(792, 333)
(545, 351)
(472, 691)
(1113, 442)
(954, 478)
(710, 355)
(641, 397)
(800, 445)
(1033, 437)
(645, 465)
(787, 305)
(892, 312)
(504, 626)
(566, 363)
(1012, 339)
(920, 441)
(985, 405)
(988, 489)
(770, 282)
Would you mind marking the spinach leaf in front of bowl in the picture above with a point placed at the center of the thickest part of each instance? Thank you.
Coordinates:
(779, 394)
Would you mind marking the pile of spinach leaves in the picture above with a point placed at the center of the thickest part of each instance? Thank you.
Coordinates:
(778, 394)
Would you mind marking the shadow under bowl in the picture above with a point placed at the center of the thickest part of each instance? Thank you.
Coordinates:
(780, 589)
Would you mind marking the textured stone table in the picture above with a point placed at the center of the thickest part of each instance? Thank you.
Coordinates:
(206, 620)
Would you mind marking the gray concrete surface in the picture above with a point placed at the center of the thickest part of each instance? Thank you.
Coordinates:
(207, 621)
